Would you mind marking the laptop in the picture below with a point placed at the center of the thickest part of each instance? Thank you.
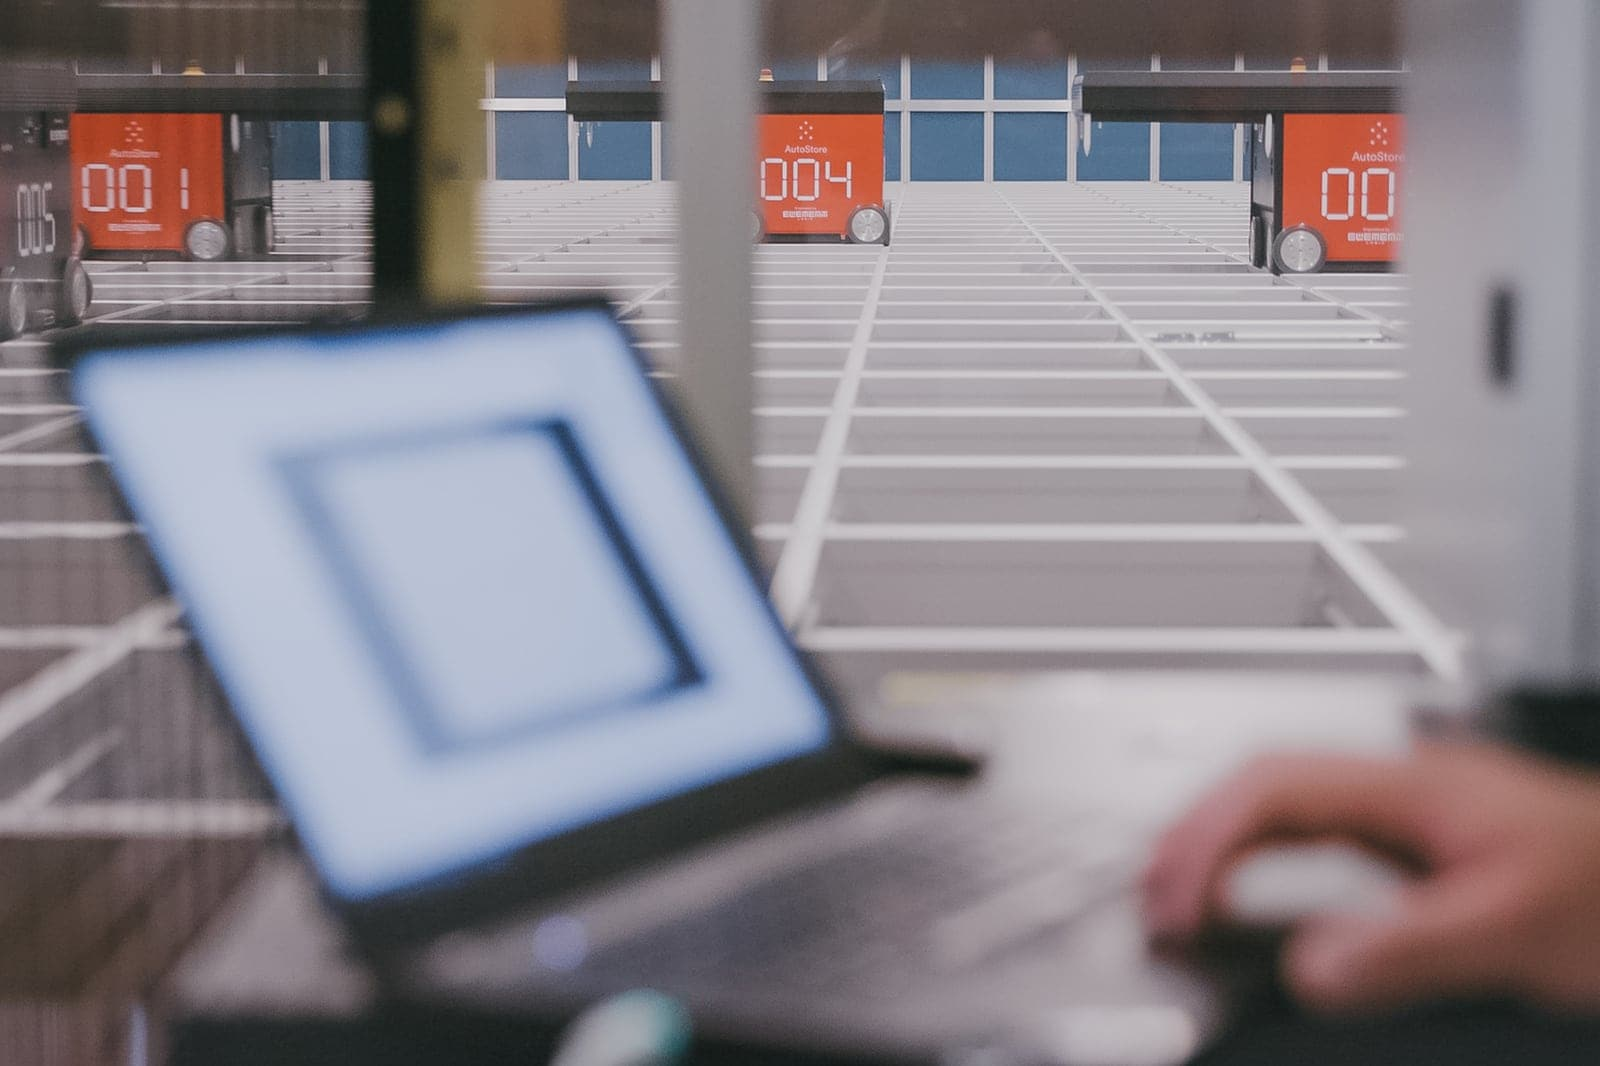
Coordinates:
(512, 672)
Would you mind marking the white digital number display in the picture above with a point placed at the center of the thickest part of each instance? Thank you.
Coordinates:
(1379, 188)
(130, 187)
(36, 223)
(802, 180)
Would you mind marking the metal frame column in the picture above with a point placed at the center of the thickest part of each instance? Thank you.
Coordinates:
(711, 86)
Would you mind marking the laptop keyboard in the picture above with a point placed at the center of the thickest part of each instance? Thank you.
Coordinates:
(940, 897)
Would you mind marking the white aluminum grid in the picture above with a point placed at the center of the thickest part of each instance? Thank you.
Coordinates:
(1049, 426)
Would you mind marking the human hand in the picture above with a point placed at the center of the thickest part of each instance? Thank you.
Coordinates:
(1506, 851)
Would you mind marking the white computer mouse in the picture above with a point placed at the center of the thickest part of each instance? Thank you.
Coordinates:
(1283, 885)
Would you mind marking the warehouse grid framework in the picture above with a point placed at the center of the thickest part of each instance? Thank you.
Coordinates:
(994, 93)
(903, 78)
(1048, 426)
(988, 104)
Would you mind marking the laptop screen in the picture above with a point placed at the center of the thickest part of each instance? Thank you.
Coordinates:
(462, 584)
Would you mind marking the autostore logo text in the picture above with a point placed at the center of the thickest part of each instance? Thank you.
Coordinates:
(1377, 157)
(805, 149)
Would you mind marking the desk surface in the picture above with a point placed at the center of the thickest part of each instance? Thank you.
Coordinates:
(273, 981)
(274, 971)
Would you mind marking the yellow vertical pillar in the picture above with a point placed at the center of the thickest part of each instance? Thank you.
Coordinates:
(527, 31)
(456, 39)
(452, 50)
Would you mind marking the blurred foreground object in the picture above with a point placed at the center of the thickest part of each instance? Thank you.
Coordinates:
(636, 1029)
(1499, 483)
(1102, 27)
(284, 34)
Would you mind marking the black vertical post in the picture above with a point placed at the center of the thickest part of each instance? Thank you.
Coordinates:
(394, 114)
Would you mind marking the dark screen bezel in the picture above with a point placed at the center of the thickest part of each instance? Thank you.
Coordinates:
(572, 860)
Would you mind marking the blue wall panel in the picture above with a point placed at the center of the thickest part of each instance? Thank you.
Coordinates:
(614, 151)
(296, 151)
(793, 68)
(933, 79)
(539, 82)
(1278, 61)
(113, 65)
(1172, 62)
(1353, 61)
(1015, 80)
(613, 70)
(891, 147)
(946, 147)
(530, 146)
(1196, 152)
(347, 151)
(887, 70)
(1030, 147)
(1120, 151)
(1088, 63)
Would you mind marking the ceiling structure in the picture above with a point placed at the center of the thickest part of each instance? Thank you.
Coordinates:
(293, 36)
